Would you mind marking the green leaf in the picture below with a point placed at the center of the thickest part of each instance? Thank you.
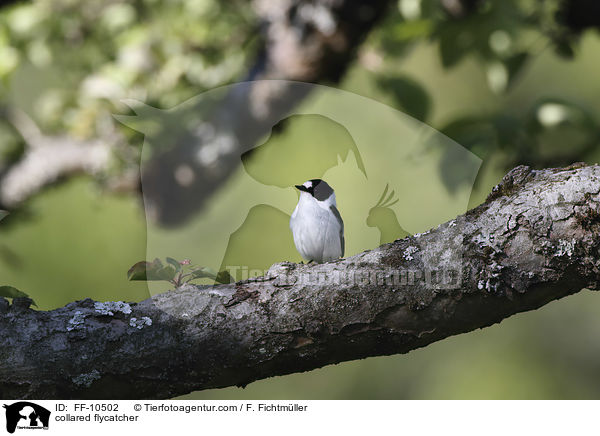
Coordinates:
(410, 30)
(224, 277)
(555, 112)
(477, 134)
(567, 130)
(409, 95)
(509, 132)
(12, 292)
(3, 214)
(175, 263)
(203, 272)
(137, 271)
(455, 41)
(564, 48)
(450, 54)
(151, 271)
(220, 277)
(514, 65)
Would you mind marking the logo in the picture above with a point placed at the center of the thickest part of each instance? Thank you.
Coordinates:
(26, 415)
(393, 175)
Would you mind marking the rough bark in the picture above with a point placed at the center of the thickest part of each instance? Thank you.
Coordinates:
(535, 239)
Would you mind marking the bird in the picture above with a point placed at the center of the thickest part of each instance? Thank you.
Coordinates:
(316, 223)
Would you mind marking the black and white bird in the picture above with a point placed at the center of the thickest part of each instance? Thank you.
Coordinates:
(316, 223)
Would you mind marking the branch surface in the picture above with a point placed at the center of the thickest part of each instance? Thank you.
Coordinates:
(535, 239)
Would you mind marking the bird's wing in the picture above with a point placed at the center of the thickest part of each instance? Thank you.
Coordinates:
(341, 223)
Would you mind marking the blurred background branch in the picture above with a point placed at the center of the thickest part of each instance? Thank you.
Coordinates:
(48, 159)
(305, 41)
(163, 54)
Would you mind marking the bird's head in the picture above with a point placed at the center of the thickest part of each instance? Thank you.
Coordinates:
(317, 188)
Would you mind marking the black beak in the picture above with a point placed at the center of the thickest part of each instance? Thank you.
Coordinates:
(301, 188)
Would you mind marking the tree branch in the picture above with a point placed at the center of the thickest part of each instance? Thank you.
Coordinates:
(48, 159)
(305, 41)
(536, 239)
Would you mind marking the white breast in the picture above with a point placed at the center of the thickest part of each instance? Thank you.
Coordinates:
(316, 230)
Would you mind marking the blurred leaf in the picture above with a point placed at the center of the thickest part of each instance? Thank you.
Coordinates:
(220, 277)
(455, 41)
(138, 271)
(478, 135)
(408, 94)
(514, 65)
(175, 263)
(11, 145)
(564, 130)
(12, 292)
(395, 35)
(224, 277)
(203, 272)
(3, 214)
(151, 271)
(455, 171)
(474, 133)
(450, 51)
(553, 112)
(508, 129)
(501, 75)
(10, 257)
(408, 30)
(564, 48)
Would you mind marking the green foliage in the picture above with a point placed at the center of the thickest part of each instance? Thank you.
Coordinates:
(83, 57)
(176, 273)
(553, 132)
(149, 271)
(78, 59)
(505, 38)
(12, 292)
(408, 94)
